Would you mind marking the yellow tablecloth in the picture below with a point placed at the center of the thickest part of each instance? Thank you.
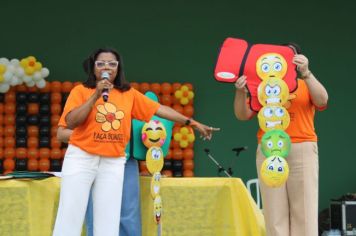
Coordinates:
(191, 206)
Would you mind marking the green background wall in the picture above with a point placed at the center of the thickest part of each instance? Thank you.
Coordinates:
(177, 41)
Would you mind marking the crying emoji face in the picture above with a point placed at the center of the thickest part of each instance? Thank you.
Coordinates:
(273, 117)
(273, 91)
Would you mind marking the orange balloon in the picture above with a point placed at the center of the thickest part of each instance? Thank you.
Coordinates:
(21, 88)
(54, 130)
(188, 173)
(46, 88)
(145, 173)
(10, 108)
(32, 108)
(177, 154)
(45, 153)
(166, 99)
(176, 86)
(167, 173)
(10, 97)
(56, 109)
(144, 87)
(21, 153)
(66, 86)
(56, 98)
(156, 88)
(188, 153)
(166, 88)
(32, 142)
(1, 153)
(43, 164)
(76, 83)
(189, 85)
(1, 119)
(178, 108)
(169, 154)
(2, 132)
(143, 166)
(188, 110)
(32, 164)
(9, 131)
(56, 87)
(174, 144)
(9, 164)
(32, 153)
(1, 108)
(9, 152)
(56, 153)
(9, 142)
(175, 100)
(55, 119)
(55, 143)
(32, 89)
(188, 164)
(9, 119)
(135, 85)
(32, 131)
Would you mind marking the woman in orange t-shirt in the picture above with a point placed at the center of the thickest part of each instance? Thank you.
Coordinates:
(292, 209)
(99, 112)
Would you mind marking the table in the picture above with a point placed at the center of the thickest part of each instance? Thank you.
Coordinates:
(191, 206)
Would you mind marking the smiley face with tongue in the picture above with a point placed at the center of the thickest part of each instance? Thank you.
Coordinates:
(273, 117)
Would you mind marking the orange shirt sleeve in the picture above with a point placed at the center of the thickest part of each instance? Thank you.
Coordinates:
(143, 107)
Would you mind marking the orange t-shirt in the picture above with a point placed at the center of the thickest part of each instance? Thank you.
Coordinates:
(301, 110)
(106, 131)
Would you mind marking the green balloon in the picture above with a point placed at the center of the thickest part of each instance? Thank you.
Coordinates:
(275, 142)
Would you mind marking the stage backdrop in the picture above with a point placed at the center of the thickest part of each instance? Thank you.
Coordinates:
(177, 41)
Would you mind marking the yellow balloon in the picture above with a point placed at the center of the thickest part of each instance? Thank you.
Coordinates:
(1, 78)
(190, 94)
(29, 70)
(154, 159)
(271, 65)
(274, 171)
(38, 66)
(2, 68)
(191, 137)
(184, 88)
(184, 101)
(183, 143)
(178, 94)
(177, 136)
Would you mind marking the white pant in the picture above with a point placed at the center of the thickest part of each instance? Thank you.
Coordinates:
(82, 171)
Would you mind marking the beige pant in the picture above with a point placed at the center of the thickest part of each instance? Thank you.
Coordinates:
(292, 210)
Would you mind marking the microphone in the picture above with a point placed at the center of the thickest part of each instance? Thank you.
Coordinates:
(105, 92)
(239, 149)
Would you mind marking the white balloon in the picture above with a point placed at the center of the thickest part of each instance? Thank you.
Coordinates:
(37, 76)
(4, 87)
(26, 78)
(30, 83)
(14, 81)
(11, 68)
(14, 62)
(41, 83)
(19, 72)
(7, 76)
(4, 61)
(44, 72)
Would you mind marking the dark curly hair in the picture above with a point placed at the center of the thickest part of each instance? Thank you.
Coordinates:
(120, 82)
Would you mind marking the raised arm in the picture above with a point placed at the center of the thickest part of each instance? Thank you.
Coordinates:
(241, 108)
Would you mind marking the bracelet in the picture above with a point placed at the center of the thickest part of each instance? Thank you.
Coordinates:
(306, 75)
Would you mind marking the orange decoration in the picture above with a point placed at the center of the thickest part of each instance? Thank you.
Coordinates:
(21, 88)
(1, 108)
(166, 99)
(188, 173)
(145, 173)
(1, 153)
(55, 119)
(177, 154)
(174, 144)
(66, 87)
(76, 83)
(135, 85)
(143, 166)
(1, 129)
(56, 109)
(56, 87)
(33, 108)
(56, 153)
(188, 110)
(10, 108)
(32, 131)
(1, 141)
(167, 173)
(144, 87)
(9, 142)
(9, 131)
(55, 143)
(188, 153)
(1, 119)
(10, 97)
(169, 154)
(56, 98)
(43, 164)
(9, 164)
(32, 142)
(189, 85)
(32, 164)
(156, 88)
(32, 89)
(9, 119)
(178, 108)
(188, 164)
(45, 152)
(47, 88)
(21, 152)
(166, 88)
(176, 86)
(9, 153)
(54, 131)
(32, 153)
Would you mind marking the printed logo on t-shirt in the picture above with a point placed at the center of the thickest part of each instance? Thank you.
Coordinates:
(109, 116)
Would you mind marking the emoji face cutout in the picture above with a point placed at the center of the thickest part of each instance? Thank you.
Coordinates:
(273, 117)
(155, 184)
(275, 142)
(271, 65)
(153, 134)
(274, 171)
(154, 159)
(273, 91)
(157, 209)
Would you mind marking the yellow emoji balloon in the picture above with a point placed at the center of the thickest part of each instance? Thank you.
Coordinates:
(271, 65)
(274, 171)
(155, 184)
(154, 159)
(273, 117)
(153, 134)
(157, 209)
(273, 91)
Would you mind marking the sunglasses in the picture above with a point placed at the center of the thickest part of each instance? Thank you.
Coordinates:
(102, 64)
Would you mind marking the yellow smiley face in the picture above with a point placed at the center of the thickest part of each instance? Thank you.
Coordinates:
(274, 171)
(153, 134)
(157, 209)
(154, 159)
(271, 65)
(273, 117)
(273, 91)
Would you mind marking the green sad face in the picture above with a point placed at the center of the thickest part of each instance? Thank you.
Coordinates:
(275, 142)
